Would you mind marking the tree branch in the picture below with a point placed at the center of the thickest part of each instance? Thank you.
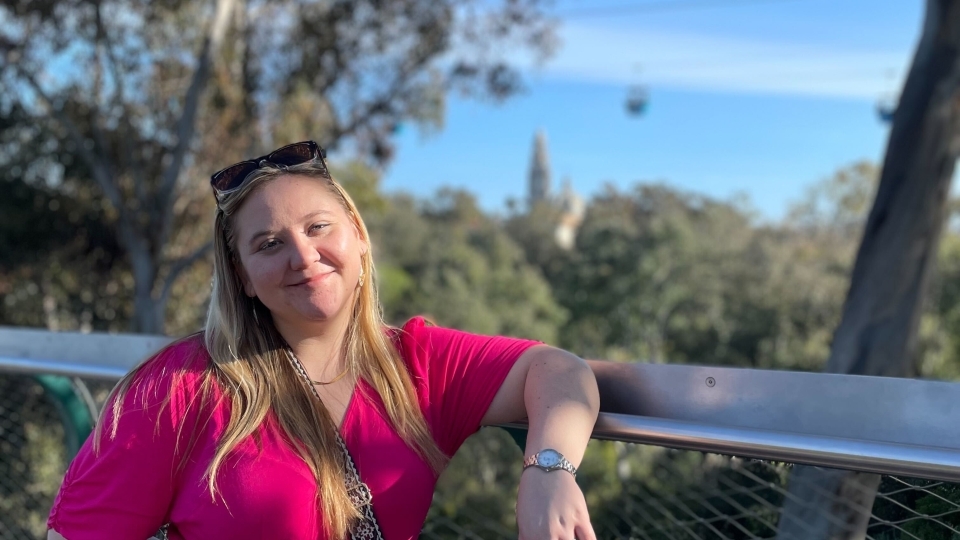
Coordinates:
(179, 266)
(385, 100)
(100, 172)
(188, 118)
(125, 152)
(373, 108)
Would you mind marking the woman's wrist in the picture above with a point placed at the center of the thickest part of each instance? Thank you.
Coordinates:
(549, 460)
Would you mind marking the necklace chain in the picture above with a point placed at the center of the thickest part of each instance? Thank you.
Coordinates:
(335, 379)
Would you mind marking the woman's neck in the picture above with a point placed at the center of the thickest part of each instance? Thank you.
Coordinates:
(318, 346)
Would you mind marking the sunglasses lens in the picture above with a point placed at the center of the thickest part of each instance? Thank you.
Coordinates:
(232, 176)
(293, 154)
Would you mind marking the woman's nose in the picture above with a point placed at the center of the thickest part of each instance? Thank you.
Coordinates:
(303, 254)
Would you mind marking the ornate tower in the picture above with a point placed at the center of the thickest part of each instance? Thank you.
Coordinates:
(539, 171)
(572, 210)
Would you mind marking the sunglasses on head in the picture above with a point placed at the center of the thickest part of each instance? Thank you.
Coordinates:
(286, 156)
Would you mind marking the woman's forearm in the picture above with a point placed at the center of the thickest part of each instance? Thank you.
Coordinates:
(562, 402)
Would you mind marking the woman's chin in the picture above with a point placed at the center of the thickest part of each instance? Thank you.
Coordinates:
(312, 314)
(311, 308)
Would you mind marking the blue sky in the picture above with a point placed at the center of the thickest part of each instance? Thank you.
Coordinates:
(747, 97)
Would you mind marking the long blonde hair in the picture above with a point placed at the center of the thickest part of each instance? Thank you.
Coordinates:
(248, 361)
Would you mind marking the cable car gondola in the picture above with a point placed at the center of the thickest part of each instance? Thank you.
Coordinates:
(638, 98)
(885, 110)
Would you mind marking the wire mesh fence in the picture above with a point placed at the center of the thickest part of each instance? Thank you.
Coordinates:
(33, 457)
(652, 493)
(43, 420)
(633, 491)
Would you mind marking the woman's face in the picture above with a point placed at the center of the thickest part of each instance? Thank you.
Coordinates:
(299, 250)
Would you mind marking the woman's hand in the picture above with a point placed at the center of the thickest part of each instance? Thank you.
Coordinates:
(550, 506)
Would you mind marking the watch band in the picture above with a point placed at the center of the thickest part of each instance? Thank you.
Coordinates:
(549, 460)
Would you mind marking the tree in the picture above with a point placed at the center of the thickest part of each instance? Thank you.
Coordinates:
(804, 268)
(141, 100)
(878, 330)
(663, 275)
(939, 340)
(446, 259)
(650, 276)
(50, 239)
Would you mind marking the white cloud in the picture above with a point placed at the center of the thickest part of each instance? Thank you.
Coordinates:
(702, 62)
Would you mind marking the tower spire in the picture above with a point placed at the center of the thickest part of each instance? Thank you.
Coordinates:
(539, 180)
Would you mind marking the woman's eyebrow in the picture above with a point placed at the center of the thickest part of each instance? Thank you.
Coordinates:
(312, 215)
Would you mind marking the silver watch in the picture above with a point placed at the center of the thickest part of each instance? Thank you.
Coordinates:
(549, 460)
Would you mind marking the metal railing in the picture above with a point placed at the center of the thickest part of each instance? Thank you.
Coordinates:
(666, 472)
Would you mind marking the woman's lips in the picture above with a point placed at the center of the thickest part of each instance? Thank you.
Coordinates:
(312, 280)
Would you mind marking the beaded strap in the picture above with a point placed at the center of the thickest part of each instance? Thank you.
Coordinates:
(361, 497)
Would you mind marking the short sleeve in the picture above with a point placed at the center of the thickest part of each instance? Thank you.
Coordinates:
(457, 375)
(125, 489)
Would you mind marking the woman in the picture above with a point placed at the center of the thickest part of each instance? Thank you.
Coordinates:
(297, 413)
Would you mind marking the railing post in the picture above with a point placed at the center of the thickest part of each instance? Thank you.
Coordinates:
(75, 406)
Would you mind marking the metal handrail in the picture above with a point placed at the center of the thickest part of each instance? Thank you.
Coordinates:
(59, 367)
(933, 463)
(836, 452)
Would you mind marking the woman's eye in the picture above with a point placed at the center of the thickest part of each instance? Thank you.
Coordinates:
(318, 226)
(267, 245)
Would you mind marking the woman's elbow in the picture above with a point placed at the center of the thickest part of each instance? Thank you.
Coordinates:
(565, 369)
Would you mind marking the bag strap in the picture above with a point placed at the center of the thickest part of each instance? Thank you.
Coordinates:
(360, 495)
(367, 528)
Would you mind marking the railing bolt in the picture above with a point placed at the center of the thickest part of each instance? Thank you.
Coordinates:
(711, 382)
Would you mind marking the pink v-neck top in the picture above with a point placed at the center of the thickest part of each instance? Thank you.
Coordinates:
(134, 484)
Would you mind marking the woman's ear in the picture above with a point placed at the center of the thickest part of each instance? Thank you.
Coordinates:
(364, 242)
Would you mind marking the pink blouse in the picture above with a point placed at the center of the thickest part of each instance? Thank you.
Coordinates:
(152, 474)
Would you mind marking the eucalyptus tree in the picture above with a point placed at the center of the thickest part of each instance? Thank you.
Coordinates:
(879, 328)
(139, 100)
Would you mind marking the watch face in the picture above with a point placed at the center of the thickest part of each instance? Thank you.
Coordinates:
(548, 458)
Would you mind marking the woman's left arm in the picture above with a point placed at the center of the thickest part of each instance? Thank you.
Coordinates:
(557, 393)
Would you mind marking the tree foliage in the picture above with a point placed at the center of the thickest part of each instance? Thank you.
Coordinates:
(445, 258)
(137, 102)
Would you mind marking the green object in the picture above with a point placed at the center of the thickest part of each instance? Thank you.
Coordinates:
(75, 406)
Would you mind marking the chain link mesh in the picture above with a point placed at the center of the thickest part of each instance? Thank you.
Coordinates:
(33, 457)
(652, 493)
(633, 491)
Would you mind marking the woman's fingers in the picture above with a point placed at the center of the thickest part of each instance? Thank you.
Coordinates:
(584, 531)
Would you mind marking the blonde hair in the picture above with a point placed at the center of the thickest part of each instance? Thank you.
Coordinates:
(248, 361)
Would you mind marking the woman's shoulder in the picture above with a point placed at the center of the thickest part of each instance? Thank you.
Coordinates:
(417, 322)
(174, 372)
(162, 393)
(413, 336)
(419, 340)
(185, 357)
